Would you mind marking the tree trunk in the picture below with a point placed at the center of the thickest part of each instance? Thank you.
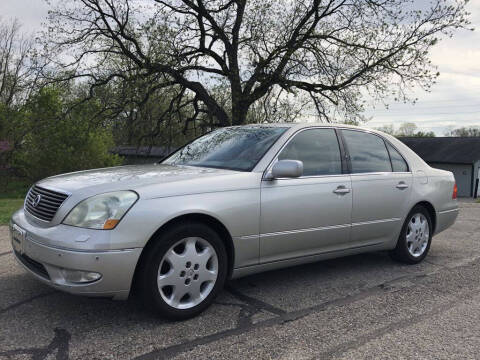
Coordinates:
(239, 114)
(239, 106)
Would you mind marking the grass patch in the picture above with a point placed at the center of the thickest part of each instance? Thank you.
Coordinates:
(7, 208)
(13, 188)
(12, 193)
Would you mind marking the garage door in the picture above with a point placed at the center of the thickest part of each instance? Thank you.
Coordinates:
(463, 176)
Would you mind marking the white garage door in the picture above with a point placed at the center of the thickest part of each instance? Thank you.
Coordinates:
(463, 176)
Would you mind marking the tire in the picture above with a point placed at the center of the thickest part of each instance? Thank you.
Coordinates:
(188, 258)
(415, 238)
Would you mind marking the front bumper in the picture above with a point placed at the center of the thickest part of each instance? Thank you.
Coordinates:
(50, 263)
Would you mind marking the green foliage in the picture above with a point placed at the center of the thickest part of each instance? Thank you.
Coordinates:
(7, 208)
(151, 122)
(424, 134)
(58, 142)
(12, 187)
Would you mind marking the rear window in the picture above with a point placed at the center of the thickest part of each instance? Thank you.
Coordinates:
(398, 162)
(368, 152)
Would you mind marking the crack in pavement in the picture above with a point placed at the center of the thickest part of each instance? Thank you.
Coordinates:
(434, 263)
(359, 341)
(6, 253)
(249, 307)
(26, 301)
(245, 315)
(254, 302)
(60, 342)
(284, 317)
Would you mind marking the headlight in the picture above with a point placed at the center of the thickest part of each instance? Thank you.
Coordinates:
(102, 211)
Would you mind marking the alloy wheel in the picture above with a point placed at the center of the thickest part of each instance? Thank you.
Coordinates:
(418, 234)
(187, 273)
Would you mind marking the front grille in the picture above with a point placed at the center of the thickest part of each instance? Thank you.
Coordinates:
(33, 265)
(47, 207)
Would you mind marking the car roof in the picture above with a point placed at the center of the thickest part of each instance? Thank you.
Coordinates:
(302, 125)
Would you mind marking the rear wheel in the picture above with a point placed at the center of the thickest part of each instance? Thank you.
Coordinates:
(416, 236)
(183, 271)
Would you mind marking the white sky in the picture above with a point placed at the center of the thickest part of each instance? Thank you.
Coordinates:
(453, 102)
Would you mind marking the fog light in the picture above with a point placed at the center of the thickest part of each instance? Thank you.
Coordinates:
(79, 277)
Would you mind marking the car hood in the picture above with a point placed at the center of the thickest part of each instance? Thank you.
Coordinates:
(151, 180)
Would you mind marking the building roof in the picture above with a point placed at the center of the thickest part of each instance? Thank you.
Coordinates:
(456, 150)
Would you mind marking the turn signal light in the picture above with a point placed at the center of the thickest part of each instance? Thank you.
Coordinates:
(110, 224)
(455, 191)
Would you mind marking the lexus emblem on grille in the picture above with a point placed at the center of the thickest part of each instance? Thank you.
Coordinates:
(36, 200)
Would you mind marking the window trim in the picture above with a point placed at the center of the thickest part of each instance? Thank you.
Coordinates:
(341, 148)
(346, 153)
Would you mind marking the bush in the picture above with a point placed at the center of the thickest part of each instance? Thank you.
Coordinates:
(59, 142)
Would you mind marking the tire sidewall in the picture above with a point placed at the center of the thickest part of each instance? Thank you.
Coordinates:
(155, 255)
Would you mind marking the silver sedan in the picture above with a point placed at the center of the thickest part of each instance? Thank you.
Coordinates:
(237, 201)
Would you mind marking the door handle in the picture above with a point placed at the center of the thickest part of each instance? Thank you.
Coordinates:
(341, 190)
(401, 185)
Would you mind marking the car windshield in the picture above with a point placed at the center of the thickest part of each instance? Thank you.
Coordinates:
(233, 148)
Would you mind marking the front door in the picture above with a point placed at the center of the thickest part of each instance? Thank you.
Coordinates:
(310, 214)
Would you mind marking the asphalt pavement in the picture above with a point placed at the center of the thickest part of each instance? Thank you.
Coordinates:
(359, 307)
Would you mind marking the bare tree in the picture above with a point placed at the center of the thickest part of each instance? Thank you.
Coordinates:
(331, 50)
(279, 105)
(18, 64)
(406, 129)
(18, 79)
(467, 131)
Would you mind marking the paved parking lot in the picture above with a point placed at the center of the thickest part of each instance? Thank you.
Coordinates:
(363, 306)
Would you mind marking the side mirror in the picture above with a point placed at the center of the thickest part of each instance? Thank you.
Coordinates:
(287, 169)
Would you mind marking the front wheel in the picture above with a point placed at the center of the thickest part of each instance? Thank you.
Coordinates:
(183, 271)
(415, 238)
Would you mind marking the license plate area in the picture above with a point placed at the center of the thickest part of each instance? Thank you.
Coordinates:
(18, 238)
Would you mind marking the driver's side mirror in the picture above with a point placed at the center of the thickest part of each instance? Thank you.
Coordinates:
(287, 169)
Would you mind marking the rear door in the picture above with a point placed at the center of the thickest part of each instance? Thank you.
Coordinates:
(310, 214)
(381, 187)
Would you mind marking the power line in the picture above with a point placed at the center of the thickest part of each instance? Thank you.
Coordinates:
(450, 100)
(413, 107)
(431, 114)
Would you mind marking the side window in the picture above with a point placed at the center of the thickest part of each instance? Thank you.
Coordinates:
(367, 152)
(398, 163)
(318, 149)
